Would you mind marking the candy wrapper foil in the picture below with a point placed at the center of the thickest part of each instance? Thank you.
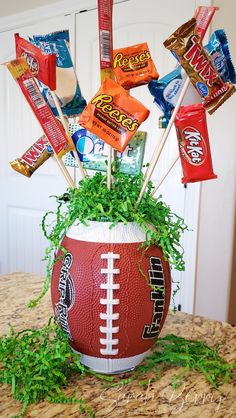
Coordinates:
(194, 146)
(67, 87)
(133, 66)
(53, 130)
(43, 66)
(167, 89)
(113, 115)
(33, 158)
(218, 50)
(187, 45)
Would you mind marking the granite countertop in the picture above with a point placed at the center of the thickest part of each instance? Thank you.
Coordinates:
(195, 398)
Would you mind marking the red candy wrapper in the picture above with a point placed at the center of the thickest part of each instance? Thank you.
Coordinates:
(203, 16)
(42, 66)
(194, 146)
(50, 125)
(105, 37)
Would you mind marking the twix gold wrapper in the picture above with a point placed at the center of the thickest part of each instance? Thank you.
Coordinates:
(33, 158)
(50, 125)
(186, 44)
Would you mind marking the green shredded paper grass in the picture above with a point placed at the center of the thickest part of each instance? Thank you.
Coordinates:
(38, 364)
(92, 201)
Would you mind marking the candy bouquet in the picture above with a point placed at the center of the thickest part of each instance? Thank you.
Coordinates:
(114, 242)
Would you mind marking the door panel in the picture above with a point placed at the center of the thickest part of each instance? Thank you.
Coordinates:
(24, 199)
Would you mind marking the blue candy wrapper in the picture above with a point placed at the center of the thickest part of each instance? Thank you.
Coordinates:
(67, 87)
(93, 151)
(167, 89)
(218, 50)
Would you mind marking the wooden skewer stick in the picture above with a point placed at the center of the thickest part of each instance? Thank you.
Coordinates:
(165, 175)
(161, 144)
(65, 126)
(108, 72)
(63, 170)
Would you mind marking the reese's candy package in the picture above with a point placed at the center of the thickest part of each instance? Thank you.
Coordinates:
(67, 90)
(194, 146)
(187, 46)
(42, 66)
(53, 130)
(218, 50)
(133, 66)
(113, 115)
(33, 158)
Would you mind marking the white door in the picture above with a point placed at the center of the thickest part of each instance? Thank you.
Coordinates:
(151, 21)
(23, 200)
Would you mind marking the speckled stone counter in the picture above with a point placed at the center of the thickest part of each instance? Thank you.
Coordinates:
(195, 398)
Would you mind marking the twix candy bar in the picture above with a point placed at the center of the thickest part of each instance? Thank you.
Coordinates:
(33, 158)
(51, 127)
(188, 47)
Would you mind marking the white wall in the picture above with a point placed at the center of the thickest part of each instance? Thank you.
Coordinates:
(16, 6)
(217, 204)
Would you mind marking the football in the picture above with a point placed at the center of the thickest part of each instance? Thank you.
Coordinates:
(109, 295)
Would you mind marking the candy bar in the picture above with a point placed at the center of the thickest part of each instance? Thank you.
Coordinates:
(194, 146)
(68, 90)
(42, 66)
(203, 16)
(33, 158)
(133, 66)
(187, 45)
(51, 127)
(218, 50)
(105, 38)
(113, 115)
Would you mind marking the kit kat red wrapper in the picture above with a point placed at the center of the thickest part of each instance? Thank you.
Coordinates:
(50, 125)
(33, 158)
(113, 115)
(42, 66)
(186, 44)
(194, 146)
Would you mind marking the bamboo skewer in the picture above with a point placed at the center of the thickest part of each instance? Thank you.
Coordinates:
(65, 126)
(165, 175)
(63, 170)
(161, 144)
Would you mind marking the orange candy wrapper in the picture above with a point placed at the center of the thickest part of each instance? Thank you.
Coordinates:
(133, 66)
(113, 115)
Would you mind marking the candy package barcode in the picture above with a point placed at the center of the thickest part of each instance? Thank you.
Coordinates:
(93, 152)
